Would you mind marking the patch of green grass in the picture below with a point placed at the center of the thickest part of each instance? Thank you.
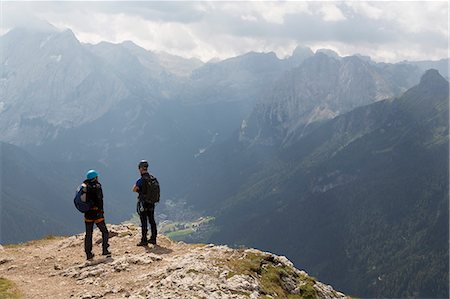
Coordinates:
(12, 245)
(307, 291)
(272, 276)
(8, 289)
(272, 283)
(124, 234)
(168, 227)
(249, 265)
(52, 237)
(44, 240)
(240, 293)
(180, 233)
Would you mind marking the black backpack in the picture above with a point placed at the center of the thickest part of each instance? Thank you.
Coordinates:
(149, 192)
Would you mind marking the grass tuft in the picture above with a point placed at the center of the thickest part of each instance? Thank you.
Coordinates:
(8, 289)
(273, 277)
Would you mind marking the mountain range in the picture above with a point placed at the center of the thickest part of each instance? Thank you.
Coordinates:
(365, 194)
(57, 89)
(337, 162)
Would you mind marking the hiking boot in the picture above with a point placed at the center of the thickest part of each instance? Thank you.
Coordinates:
(152, 241)
(142, 243)
(90, 256)
(107, 252)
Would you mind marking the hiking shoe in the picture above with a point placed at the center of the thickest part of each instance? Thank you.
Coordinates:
(106, 253)
(90, 256)
(142, 243)
(152, 241)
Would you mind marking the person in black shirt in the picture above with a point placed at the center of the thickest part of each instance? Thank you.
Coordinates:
(145, 209)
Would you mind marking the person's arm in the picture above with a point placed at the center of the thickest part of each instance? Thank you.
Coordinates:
(136, 186)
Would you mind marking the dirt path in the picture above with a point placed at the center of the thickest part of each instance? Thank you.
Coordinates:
(37, 267)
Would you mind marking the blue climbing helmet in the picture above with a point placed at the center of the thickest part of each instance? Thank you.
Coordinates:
(91, 174)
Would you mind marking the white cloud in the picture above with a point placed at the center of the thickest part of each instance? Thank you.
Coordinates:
(331, 13)
(249, 18)
(389, 29)
(366, 9)
(275, 12)
(270, 12)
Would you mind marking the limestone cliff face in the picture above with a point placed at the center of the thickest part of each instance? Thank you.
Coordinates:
(321, 88)
(55, 268)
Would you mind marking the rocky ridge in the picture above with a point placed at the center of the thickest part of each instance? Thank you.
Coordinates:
(56, 266)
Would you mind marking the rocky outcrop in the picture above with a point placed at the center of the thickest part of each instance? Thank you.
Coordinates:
(168, 270)
(321, 88)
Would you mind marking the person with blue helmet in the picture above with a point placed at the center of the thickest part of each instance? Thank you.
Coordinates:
(94, 194)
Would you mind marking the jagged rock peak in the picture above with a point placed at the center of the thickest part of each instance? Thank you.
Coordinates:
(302, 52)
(168, 270)
(329, 53)
(432, 76)
(69, 37)
(363, 57)
(129, 44)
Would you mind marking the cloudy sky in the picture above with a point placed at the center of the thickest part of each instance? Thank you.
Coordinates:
(387, 31)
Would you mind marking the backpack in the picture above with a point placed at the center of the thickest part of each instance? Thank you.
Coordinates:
(80, 199)
(149, 192)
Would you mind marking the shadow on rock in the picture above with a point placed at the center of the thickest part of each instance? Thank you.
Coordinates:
(156, 249)
(102, 260)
